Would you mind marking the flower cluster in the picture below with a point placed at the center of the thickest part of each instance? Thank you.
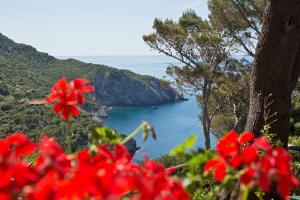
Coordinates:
(15, 174)
(257, 163)
(69, 96)
(103, 175)
(110, 174)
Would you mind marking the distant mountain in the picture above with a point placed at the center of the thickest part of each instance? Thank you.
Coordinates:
(29, 73)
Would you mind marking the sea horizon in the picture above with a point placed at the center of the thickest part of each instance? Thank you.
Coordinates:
(152, 65)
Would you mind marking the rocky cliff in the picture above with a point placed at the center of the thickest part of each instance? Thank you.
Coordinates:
(23, 68)
(125, 88)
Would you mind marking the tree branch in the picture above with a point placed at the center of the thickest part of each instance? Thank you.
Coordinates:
(242, 13)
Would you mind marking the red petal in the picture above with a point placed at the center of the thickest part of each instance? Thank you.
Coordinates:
(79, 82)
(80, 99)
(170, 170)
(121, 152)
(247, 176)
(211, 164)
(75, 111)
(263, 182)
(246, 137)
(72, 98)
(220, 168)
(231, 135)
(45, 187)
(66, 113)
(4, 147)
(58, 108)
(16, 138)
(83, 157)
(88, 88)
(25, 149)
(6, 177)
(283, 189)
(51, 98)
(220, 172)
(249, 154)
(265, 163)
(49, 146)
(295, 181)
(262, 143)
(62, 83)
(282, 161)
(4, 196)
(235, 161)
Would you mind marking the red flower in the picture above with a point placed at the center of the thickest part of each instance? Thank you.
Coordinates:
(249, 154)
(229, 145)
(218, 165)
(273, 166)
(51, 157)
(69, 96)
(276, 166)
(247, 176)
(235, 161)
(153, 182)
(110, 174)
(15, 174)
(232, 148)
(246, 137)
(45, 188)
(233, 152)
(21, 144)
(4, 196)
(4, 149)
(263, 144)
(78, 85)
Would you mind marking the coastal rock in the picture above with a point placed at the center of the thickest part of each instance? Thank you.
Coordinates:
(124, 88)
(131, 146)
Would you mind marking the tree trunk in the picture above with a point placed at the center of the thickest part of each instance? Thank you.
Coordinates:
(276, 67)
(275, 71)
(206, 122)
(206, 126)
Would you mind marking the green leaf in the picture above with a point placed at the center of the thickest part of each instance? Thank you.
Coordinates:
(188, 143)
(105, 135)
(199, 159)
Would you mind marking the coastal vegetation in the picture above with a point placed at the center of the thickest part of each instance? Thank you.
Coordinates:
(208, 68)
(242, 64)
(253, 93)
(218, 56)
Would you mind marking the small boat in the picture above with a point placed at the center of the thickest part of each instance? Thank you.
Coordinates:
(154, 107)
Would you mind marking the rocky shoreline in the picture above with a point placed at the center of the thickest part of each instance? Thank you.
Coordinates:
(116, 87)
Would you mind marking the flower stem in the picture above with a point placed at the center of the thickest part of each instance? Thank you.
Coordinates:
(131, 135)
(69, 136)
(244, 192)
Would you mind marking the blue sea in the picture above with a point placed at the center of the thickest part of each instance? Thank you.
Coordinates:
(173, 122)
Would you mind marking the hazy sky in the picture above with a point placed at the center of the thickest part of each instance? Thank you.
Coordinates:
(88, 27)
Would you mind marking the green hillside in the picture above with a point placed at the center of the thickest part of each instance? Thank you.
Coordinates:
(27, 74)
